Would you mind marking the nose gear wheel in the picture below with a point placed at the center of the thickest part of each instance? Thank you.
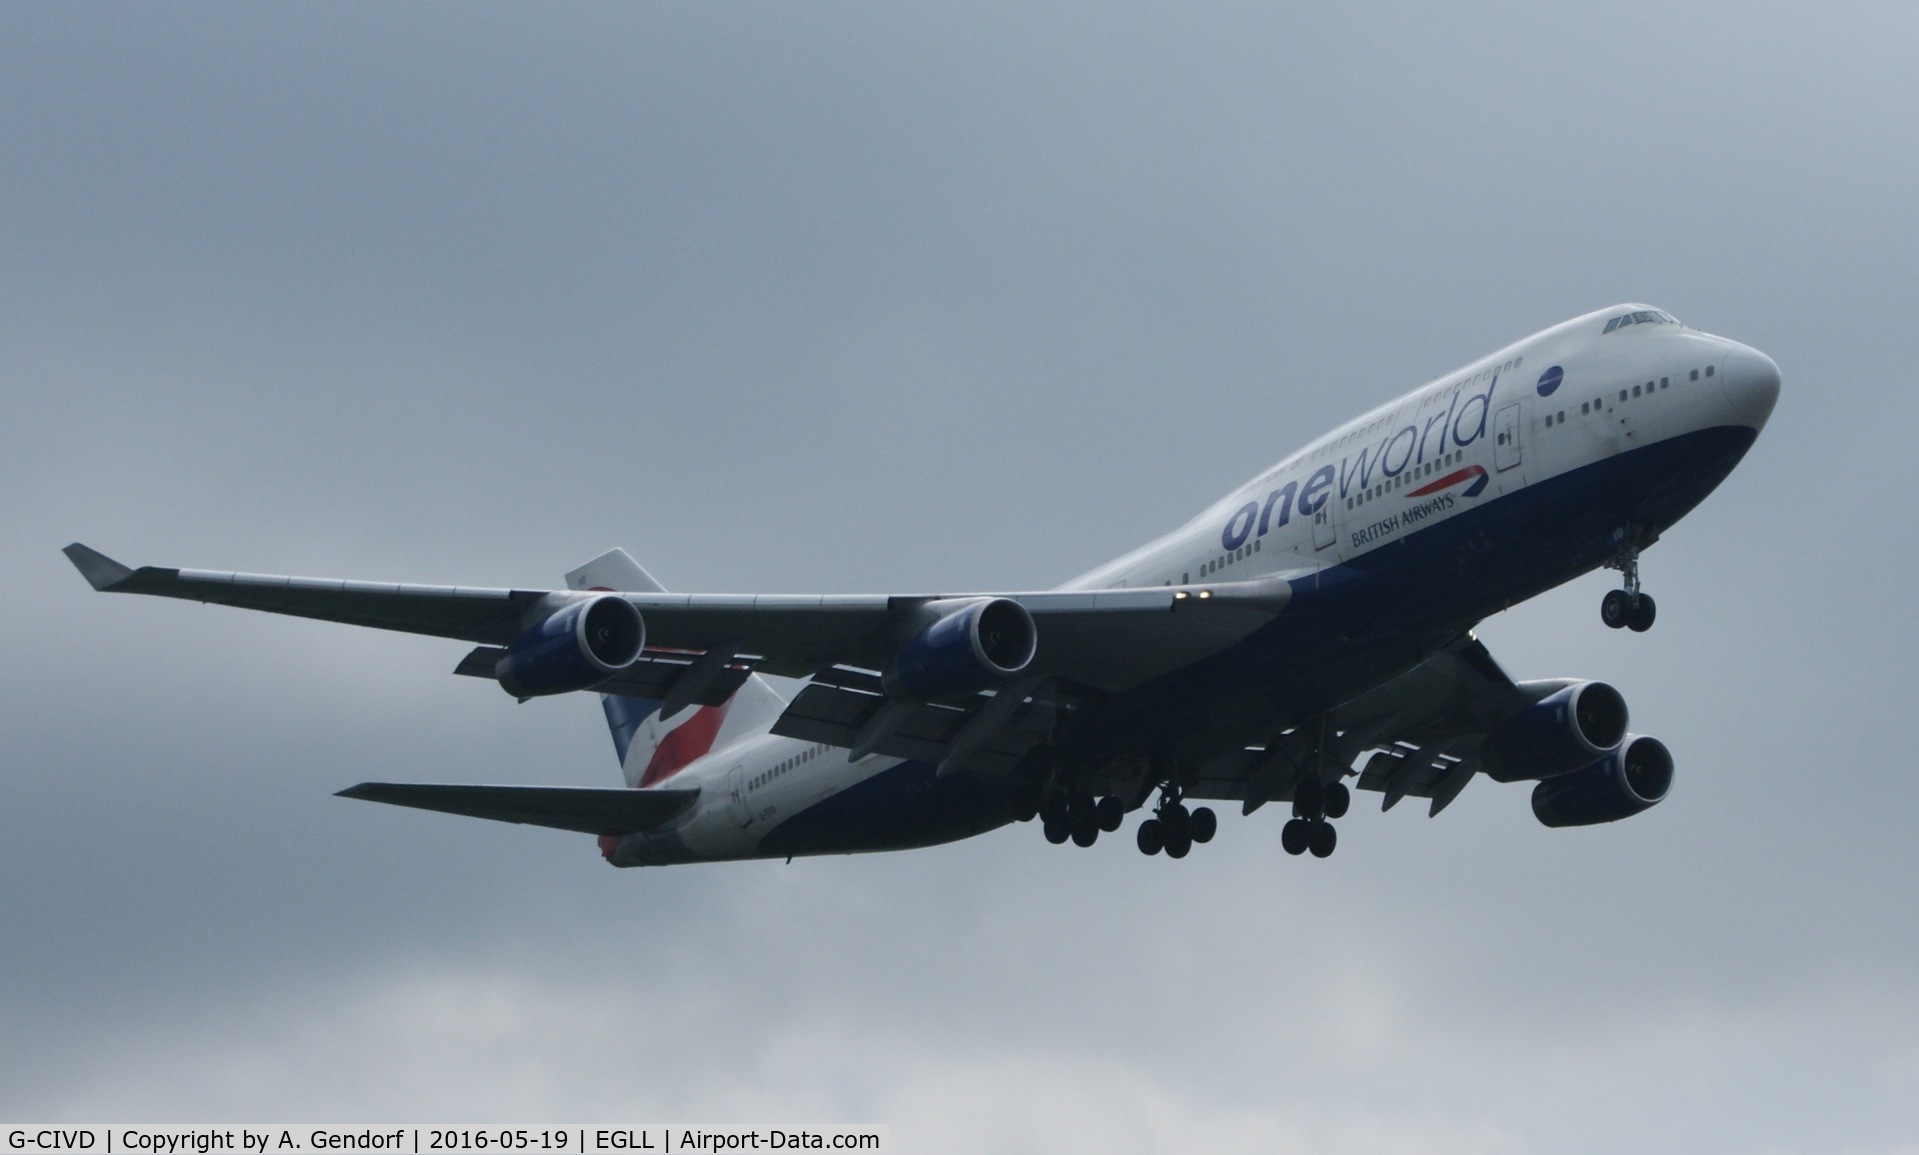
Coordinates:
(1628, 607)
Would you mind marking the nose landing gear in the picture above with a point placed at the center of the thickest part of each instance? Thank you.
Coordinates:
(1623, 609)
(1628, 608)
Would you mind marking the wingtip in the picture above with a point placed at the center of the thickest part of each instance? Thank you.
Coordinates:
(360, 790)
(101, 571)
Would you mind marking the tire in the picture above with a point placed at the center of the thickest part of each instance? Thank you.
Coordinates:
(1324, 839)
(1178, 844)
(1204, 824)
(1110, 813)
(1176, 820)
(1615, 609)
(1151, 839)
(1084, 827)
(1338, 800)
(1054, 809)
(1025, 807)
(1079, 810)
(1294, 836)
(1057, 832)
(1643, 614)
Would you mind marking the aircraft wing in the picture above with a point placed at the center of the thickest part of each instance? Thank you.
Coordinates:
(465, 612)
(589, 811)
(1428, 724)
(1108, 640)
(1425, 728)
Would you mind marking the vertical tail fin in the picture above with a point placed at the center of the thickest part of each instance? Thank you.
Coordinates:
(652, 750)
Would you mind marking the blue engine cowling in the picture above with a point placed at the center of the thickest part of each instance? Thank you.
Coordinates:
(964, 652)
(1632, 778)
(575, 648)
(1562, 732)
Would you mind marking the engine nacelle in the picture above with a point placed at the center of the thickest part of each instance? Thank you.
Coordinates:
(575, 648)
(1562, 732)
(1632, 778)
(969, 649)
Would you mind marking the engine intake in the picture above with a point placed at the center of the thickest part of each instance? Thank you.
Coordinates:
(965, 651)
(1560, 733)
(573, 649)
(1635, 777)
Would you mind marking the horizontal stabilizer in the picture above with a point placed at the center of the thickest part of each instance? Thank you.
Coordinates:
(589, 811)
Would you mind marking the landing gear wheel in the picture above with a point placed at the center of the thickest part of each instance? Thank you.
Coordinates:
(1616, 609)
(1054, 809)
(1025, 807)
(1295, 835)
(1110, 813)
(1338, 798)
(1152, 838)
(1175, 819)
(1178, 843)
(1324, 838)
(1642, 615)
(1203, 824)
(1057, 832)
(1085, 827)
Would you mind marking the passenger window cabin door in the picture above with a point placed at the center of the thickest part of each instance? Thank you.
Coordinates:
(1506, 437)
(1323, 522)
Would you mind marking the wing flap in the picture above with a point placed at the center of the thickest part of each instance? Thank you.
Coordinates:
(653, 676)
(582, 809)
(836, 714)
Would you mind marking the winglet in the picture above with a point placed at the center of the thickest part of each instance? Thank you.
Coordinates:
(101, 571)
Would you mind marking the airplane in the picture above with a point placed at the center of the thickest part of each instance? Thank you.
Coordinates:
(1312, 628)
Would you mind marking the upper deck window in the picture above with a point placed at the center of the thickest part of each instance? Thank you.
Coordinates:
(1643, 317)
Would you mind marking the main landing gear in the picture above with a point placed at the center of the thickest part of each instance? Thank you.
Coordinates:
(1175, 829)
(1315, 805)
(1078, 817)
(1074, 814)
(1628, 607)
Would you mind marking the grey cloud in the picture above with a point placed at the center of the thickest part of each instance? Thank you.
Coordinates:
(832, 298)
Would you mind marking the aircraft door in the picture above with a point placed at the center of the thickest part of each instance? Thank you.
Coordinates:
(1506, 437)
(736, 801)
(1323, 522)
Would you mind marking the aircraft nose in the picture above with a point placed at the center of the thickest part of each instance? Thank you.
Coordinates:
(1751, 383)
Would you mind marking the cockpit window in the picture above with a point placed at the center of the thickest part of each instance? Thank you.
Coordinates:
(1642, 317)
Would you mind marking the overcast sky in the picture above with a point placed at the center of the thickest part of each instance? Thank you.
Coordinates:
(888, 298)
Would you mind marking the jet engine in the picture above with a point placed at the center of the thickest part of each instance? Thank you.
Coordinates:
(575, 648)
(1632, 778)
(965, 651)
(1560, 733)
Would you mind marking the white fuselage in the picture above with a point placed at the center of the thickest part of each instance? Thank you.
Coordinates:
(1550, 405)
